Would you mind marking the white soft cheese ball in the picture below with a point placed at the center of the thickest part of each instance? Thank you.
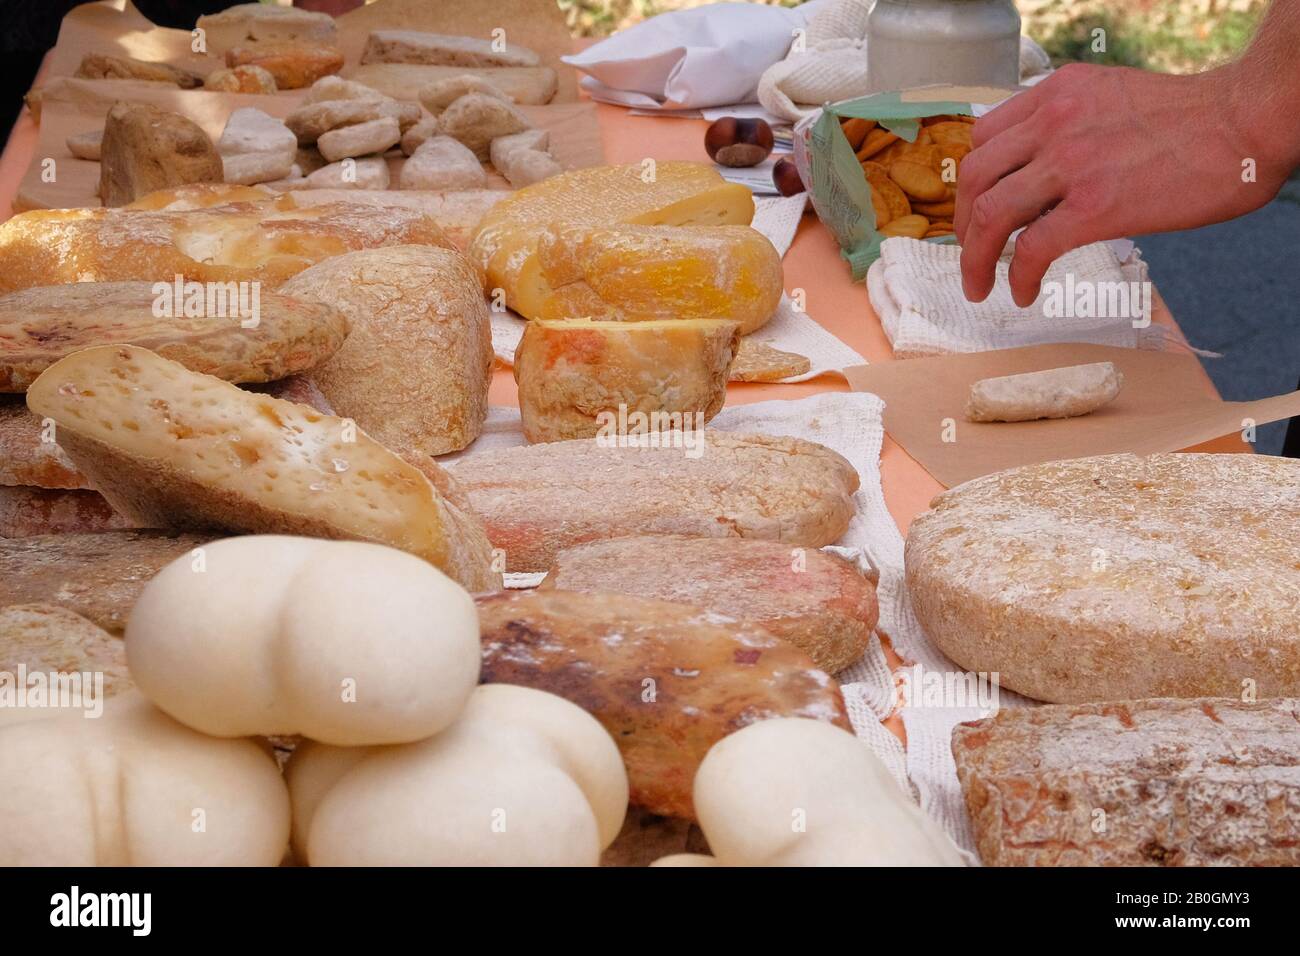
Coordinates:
(524, 778)
(799, 792)
(341, 641)
(135, 788)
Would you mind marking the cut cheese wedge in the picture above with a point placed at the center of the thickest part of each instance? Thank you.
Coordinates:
(173, 448)
(660, 272)
(504, 248)
(577, 376)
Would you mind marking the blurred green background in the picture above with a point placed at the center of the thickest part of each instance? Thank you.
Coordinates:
(1172, 35)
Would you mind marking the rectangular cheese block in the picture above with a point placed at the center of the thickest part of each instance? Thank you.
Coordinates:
(634, 273)
(412, 46)
(574, 374)
(505, 245)
(527, 85)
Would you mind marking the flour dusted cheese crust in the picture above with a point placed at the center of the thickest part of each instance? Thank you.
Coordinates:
(1202, 782)
(415, 371)
(97, 575)
(1118, 577)
(267, 242)
(537, 500)
(52, 640)
(171, 448)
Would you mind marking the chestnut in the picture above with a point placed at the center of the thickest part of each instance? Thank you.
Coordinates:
(733, 141)
(785, 177)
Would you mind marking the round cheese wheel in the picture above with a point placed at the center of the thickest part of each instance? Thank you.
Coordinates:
(1118, 577)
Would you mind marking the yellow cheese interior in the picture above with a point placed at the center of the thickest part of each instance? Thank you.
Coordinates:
(636, 272)
(504, 248)
(283, 456)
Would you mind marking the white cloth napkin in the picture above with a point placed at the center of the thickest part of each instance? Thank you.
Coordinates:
(788, 330)
(915, 288)
(711, 55)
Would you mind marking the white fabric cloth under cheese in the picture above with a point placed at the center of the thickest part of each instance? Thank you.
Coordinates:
(711, 55)
(915, 289)
(789, 330)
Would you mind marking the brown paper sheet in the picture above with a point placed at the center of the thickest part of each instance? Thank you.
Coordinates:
(70, 105)
(1163, 407)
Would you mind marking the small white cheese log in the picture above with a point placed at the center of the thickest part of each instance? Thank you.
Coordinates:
(503, 146)
(128, 788)
(415, 137)
(523, 167)
(523, 778)
(369, 172)
(1052, 393)
(250, 130)
(442, 164)
(437, 95)
(344, 642)
(363, 139)
(798, 792)
(476, 119)
(247, 169)
(87, 145)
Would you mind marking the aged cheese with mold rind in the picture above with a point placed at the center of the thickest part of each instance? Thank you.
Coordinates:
(571, 373)
(504, 249)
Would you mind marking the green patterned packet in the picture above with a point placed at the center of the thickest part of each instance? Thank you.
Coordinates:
(826, 162)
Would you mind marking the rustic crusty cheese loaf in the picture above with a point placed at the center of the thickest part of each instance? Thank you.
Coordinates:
(27, 457)
(99, 576)
(572, 373)
(539, 499)
(240, 241)
(171, 448)
(48, 639)
(1205, 782)
(1118, 577)
(666, 680)
(26, 511)
(238, 338)
(817, 601)
(415, 371)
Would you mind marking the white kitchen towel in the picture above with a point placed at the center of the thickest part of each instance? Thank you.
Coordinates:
(789, 330)
(710, 55)
(915, 289)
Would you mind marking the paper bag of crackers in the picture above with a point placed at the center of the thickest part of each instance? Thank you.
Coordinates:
(888, 165)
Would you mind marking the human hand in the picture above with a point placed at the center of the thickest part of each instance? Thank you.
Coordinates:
(1096, 153)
